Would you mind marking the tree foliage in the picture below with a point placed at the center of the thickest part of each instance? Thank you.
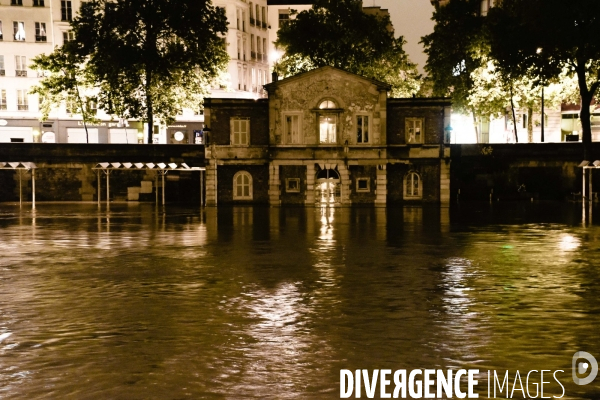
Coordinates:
(343, 36)
(66, 81)
(149, 58)
(553, 36)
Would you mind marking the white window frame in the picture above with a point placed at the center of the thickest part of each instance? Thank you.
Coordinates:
(22, 100)
(3, 105)
(363, 121)
(240, 131)
(410, 191)
(40, 32)
(414, 130)
(19, 31)
(363, 190)
(242, 180)
(295, 135)
(68, 36)
(66, 10)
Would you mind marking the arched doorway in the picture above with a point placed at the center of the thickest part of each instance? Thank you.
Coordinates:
(328, 187)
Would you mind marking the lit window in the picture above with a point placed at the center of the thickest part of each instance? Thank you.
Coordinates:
(19, 30)
(292, 129)
(242, 186)
(412, 186)
(40, 31)
(363, 185)
(362, 129)
(328, 122)
(292, 185)
(414, 130)
(240, 131)
(326, 104)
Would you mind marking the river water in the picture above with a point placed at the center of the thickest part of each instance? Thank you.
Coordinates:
(271, 303)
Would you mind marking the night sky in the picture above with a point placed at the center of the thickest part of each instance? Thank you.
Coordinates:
(411, 19)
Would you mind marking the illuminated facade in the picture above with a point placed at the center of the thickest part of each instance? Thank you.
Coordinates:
(327, 137)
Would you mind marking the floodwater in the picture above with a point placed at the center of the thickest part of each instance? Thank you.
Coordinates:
(271, 303)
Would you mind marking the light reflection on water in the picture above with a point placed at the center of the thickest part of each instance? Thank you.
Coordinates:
(246, 302)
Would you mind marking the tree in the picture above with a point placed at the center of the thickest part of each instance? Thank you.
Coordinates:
(66, 82)
(150, 58)
(455, 50)
(543, 37)
(343, 36)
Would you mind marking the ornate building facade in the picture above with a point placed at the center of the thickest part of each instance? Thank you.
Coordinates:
(327, 137)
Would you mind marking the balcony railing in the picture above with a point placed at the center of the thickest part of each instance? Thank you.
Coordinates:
(21, 72)
(2, 72)
(22, 107)
(252, 21)
(253, 55)
(39, 38)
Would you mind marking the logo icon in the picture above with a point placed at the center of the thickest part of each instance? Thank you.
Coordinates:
(583, 367)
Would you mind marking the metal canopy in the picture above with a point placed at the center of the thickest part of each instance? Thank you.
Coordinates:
(22, 166)
(160, 168)
(146, 166)
(17, 165)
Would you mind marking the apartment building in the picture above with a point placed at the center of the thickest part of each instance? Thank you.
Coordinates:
(32, 27)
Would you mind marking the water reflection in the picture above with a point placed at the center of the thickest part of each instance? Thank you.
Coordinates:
(259, 302)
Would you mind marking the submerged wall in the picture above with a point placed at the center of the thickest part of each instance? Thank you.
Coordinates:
(544, 171)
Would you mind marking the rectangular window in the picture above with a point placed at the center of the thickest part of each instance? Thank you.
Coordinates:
(414, 130)
(2, 99)
(22, 104)
(19, 30)
(20, 66)
(362, 129)
(363, 185)
(264, 17)
(240, 131)
(16, 2)
(68, 36)
(292, 129)
(292, 185)
(1, 32)
(38, 3)
(328, 128)
(284, 18)
(257, 15)
(66, 12)
(264, 49)
(1, 65)
(40, 31)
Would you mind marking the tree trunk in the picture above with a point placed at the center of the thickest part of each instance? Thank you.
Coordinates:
(529, 124)
(149, 105)
(512, 107)
(587, 95)
(475, 126)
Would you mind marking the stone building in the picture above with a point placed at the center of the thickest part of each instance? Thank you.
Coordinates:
(327, 137)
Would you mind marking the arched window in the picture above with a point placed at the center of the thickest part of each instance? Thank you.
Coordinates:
(325, 104)
(328, 121)
(242, 186)
(413, 188)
